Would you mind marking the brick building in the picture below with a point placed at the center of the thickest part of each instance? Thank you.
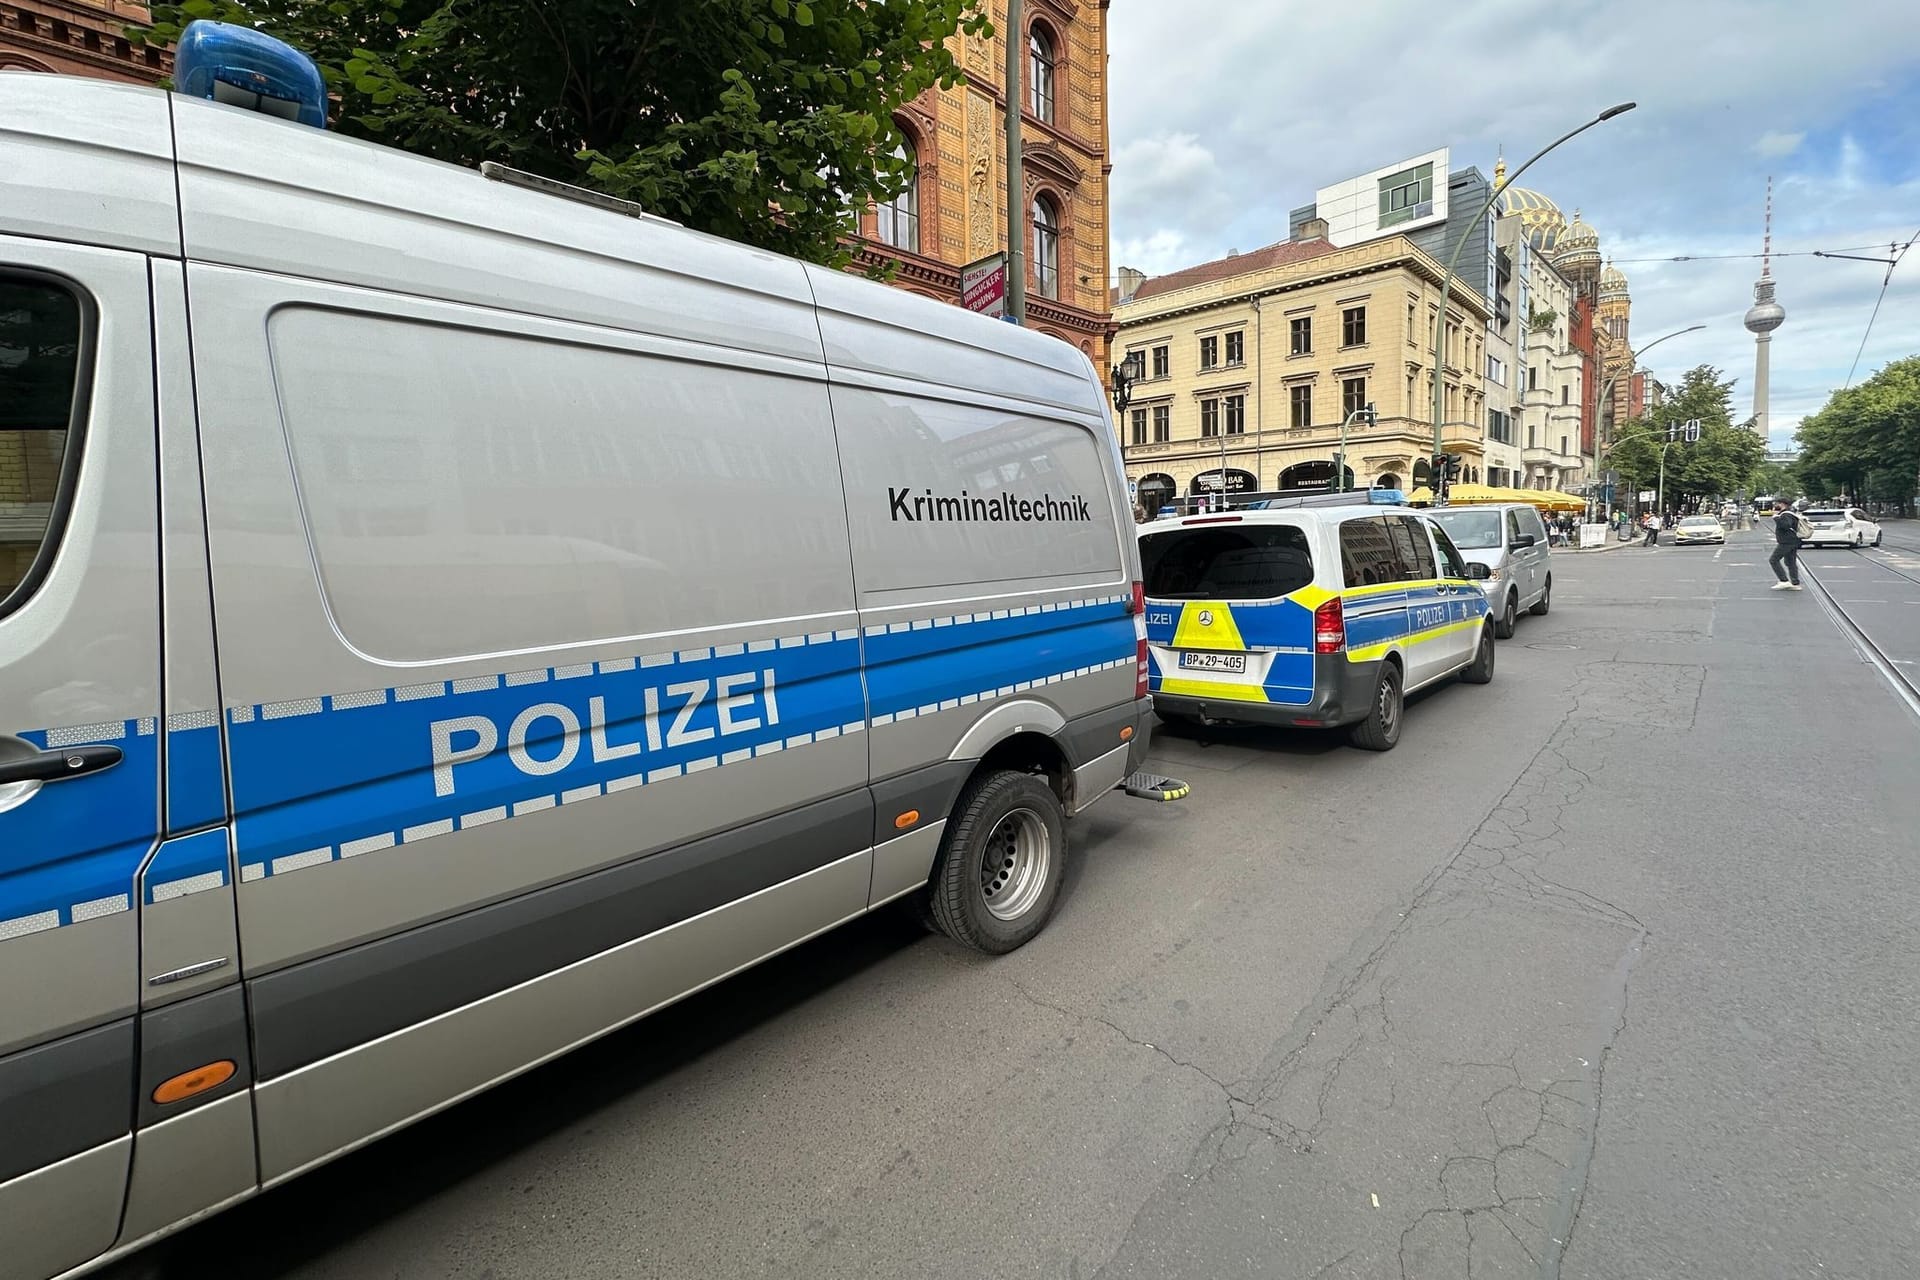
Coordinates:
(78, 38)
(956, 210)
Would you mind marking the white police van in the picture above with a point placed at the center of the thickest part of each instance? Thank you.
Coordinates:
(441, 622)
(1317, 611)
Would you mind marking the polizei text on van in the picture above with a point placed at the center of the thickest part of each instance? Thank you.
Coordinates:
(925, 506)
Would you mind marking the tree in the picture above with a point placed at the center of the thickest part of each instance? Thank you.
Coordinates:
(766, 121)
(1721, 463)
(1865, 442)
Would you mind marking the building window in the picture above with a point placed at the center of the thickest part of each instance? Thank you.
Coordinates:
(1237, 347)
(1210, 417)
(1209, 352)
(1563, 393)
(1162, 423)
(1160, 362)
(1139, 426)
(1046, 247)
(1040, 66)
(1300, 407)
(1353, 396)
(1563, 447)
(1531, 430)
(1236, 415)
(1353, 327)
(1499, 426)
(1533, 378)
(1302, 330)
(899, 217)
(1496, 371)
(1410, 322)
(1406, 195)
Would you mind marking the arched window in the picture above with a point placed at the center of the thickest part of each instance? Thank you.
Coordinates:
(1040, 64)
(899, 218)
(1046, 247)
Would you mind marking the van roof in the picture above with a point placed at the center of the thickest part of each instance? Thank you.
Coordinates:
(92, 161)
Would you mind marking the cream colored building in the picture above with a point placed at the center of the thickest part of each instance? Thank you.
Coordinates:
(1247, 367)
(1547, 424)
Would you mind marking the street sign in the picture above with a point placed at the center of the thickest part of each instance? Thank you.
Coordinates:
(1646, 495)
(983, 285)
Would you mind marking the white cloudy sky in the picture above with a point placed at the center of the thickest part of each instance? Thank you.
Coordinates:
(1228, 113)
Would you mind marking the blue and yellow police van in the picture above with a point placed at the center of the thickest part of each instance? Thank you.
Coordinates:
(1315, 611)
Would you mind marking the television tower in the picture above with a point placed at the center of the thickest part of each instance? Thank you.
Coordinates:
(1763, 317)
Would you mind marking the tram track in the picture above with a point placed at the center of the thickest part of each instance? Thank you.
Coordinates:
(1904, 686)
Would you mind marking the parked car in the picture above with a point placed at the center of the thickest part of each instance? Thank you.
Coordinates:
(1511, 540)
(1318, 617)
(1699, 529)
(1842, 526)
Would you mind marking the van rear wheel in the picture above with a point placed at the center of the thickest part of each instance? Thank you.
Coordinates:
(998, 875)
(1545, 602)
(1381, 729)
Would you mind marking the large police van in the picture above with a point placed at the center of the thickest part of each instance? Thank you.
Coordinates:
(441, 622)
(1318, 612)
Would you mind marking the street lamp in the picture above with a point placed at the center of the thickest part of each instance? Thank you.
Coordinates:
(1479, 221)
(1606, 390)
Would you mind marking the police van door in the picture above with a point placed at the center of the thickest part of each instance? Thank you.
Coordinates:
(79, 748)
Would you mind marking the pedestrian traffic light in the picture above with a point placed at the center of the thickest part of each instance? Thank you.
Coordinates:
(1451, 465)
(1373, 416)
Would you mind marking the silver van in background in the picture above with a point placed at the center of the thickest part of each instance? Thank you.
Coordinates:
(1511, 540)
(450, 621)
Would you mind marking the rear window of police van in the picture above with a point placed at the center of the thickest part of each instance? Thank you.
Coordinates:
(1226, 562)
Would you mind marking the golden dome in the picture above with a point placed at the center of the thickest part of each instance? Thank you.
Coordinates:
(1613, 282)
(1540, 218)
(1578, 248)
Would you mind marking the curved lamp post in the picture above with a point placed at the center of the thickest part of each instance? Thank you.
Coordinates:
(1466, 233)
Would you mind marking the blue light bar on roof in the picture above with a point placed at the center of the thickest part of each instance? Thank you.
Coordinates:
(1386, 498)
(246, 68)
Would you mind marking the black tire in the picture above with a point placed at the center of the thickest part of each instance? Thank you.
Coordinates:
(1381, 729)
(1504, 624)
(1877, 537)
(1545, 602)
(980, 848)
(1480, 670)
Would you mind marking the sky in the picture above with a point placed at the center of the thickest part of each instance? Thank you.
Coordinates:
(1228, 113)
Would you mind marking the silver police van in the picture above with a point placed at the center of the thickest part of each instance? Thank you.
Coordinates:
(442, 622)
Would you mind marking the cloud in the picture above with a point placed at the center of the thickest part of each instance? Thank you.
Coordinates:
(1201, 164)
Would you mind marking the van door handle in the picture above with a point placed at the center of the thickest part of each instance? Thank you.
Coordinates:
(51, 766)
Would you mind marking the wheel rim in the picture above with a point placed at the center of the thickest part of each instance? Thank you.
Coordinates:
(1389, 707)
(1013, 874)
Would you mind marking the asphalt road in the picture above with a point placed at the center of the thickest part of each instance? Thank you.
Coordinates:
(1608, 970)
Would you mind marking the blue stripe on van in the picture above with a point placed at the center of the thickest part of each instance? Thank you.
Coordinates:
(69, 853)
(315, 783)
(196, 782)
(922, 667)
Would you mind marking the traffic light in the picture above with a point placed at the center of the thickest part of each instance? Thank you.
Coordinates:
(1673, 432)
(1373, 416)
(1438, 464)
(1452, 465)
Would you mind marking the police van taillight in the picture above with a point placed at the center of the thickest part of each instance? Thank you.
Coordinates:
(1329, 628)
(1137, 606)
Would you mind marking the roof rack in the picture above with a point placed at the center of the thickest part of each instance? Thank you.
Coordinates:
(1282, 499)
(512, 177)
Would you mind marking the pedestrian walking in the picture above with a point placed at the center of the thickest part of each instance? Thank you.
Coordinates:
(1787, 537)
(1653, 530)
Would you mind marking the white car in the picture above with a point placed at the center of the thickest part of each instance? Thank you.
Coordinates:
(1699, 529)
(1841, 526)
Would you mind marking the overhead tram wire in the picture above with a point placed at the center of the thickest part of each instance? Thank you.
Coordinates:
(1892, 260)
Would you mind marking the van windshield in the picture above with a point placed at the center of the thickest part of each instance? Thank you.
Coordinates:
(1245, 562)
(1470, 530)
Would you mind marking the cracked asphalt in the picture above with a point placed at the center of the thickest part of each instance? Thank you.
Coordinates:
(1611, 969)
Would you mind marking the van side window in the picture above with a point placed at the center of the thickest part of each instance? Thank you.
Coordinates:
(41, 353)
(1513, 527)
(1452, 563)
(1416, 552)
(1251, 562)
(1366, 553)
(1530, 523)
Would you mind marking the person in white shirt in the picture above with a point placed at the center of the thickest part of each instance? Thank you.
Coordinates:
(1653, 530)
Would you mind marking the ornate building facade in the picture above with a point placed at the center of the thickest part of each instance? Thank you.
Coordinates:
(955, 211)
(78, 38)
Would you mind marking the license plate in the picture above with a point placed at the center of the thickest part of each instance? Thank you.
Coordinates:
(1214, 662)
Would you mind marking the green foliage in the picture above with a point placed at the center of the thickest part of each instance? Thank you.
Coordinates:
(1723, 462)
(1866, 440)
(765, 121)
